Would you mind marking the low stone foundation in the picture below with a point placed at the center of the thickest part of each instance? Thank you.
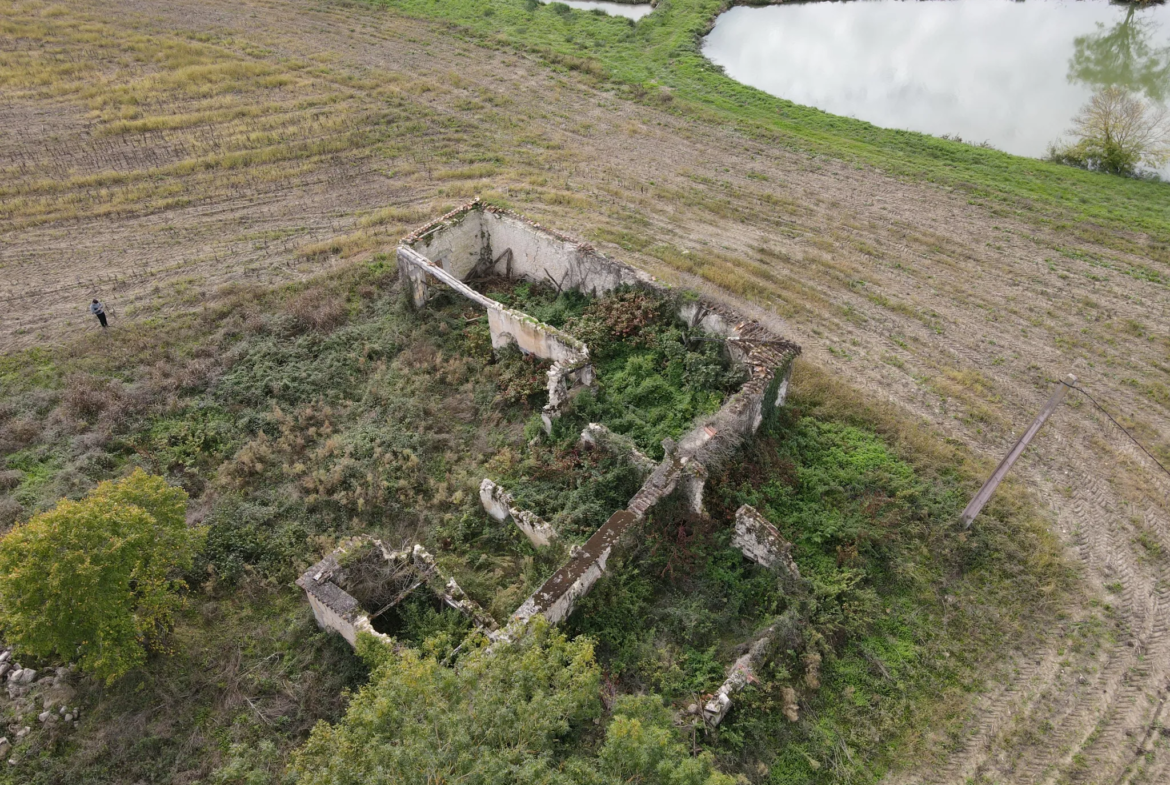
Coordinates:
(499, 504)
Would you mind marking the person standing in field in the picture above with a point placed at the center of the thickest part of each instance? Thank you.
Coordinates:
(98, 310)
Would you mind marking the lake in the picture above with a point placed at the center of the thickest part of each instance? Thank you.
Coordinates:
(629, 11)
(1012, 74)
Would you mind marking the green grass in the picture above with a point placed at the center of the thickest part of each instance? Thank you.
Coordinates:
(658, 61)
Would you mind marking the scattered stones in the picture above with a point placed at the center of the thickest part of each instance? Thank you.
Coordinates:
(6, 655)
(27, 675)
(5, 746)
(44, 716)
(20, 734)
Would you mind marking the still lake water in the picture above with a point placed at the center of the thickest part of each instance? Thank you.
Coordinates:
(634, 12)
(1010, 73)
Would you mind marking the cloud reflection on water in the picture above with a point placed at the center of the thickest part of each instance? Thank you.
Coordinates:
(989, 70)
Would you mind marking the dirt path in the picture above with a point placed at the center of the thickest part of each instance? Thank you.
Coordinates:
(958, 313)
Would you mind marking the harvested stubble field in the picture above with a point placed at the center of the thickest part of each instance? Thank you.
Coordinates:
(162, 156)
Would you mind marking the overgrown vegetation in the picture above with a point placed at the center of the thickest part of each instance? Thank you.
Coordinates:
(655, 375)
(290, 432)
(887, 630)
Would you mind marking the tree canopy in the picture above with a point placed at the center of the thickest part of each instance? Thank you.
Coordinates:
(1116, 132)
(515, 712)
(95, 580)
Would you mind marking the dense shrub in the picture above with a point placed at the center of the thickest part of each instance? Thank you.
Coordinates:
(573, 488)
(316, 309)
(259, 533)
(276, 370)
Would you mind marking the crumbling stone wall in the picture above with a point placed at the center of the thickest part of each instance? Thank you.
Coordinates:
(337, 610)
(481, 240)
(500, 505)
(555, 599)
(517, 248)
(598, 436)
(524, 249)
(759, 541)
(571, 366)
(457, 242)
(334, 608)
(507, 325)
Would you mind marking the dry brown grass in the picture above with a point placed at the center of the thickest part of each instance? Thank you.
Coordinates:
(317, 310)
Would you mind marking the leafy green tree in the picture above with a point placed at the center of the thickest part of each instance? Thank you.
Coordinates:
(96, 580)
(504, 714)
(1116, 132)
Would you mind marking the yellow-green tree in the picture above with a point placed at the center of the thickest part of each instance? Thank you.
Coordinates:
(1116, 132)
(95, 581)
(512, 713)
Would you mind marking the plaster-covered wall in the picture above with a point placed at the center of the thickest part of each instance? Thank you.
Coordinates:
(533, 337)
(539, 254)
(506, 325)
(458, 244)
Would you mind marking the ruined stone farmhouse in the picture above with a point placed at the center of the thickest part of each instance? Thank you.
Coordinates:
(478, 241)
